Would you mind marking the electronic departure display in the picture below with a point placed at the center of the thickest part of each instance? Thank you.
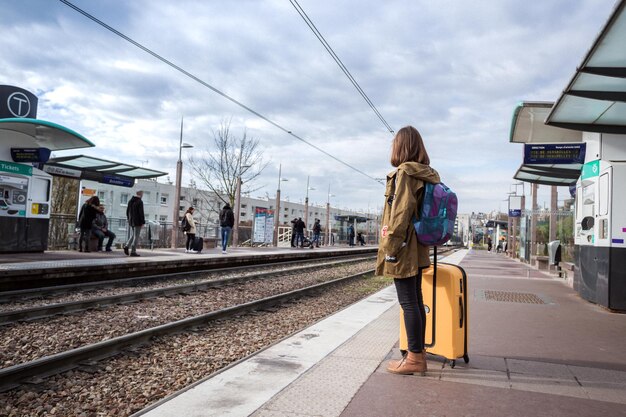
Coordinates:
(566, 153)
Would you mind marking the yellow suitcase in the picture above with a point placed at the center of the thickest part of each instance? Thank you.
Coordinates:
(445, 302)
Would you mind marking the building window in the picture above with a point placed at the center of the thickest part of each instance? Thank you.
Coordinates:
(146, 196)
(162, 219)
(101, 195)
(164, 199)
(124, 198)
(195, 202)
(243, 214)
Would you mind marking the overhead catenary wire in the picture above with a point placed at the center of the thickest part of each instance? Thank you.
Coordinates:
(207, 85)
(336, 58)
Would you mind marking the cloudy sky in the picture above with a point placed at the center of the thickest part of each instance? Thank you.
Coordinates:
(454, 69)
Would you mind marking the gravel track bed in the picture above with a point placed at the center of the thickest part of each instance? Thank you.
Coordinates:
(23, 342)
(129, 382)
(143, 286)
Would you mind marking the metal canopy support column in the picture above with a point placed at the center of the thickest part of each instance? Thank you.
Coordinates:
(533, 223)
(553, 210)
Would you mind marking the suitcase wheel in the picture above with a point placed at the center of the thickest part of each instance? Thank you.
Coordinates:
(453, 363)
(466, 358)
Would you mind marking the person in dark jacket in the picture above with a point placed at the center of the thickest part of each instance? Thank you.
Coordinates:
(317, 229)
(136, 220)
(293, 232)
(87, 214)
(227, 221)
(299, 227)
(351, 235)
(100, 228)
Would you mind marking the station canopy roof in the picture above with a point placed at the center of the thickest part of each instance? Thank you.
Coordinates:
(102, 166)
(528, 127)
(595, 98)
(35, 133)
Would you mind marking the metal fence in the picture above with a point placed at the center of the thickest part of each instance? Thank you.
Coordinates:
(63, 233)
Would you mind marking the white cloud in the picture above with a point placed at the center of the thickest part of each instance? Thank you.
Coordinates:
(454, 69)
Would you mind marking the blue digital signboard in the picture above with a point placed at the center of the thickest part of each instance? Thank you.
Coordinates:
(565, 153)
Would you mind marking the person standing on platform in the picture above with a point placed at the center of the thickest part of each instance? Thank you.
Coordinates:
(87, 214)
(227, 221)
(317, 229)
(191, 231)
(489, 244)
(101, 229)
(400, 256)
(299, 232)
(136, 220)
(351, 235)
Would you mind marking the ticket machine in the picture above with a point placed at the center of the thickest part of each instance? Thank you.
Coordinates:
(26, 190)
(600, 227)
(25, 194)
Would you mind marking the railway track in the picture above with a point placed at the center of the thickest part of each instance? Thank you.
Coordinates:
(202, 283)
(33, 371)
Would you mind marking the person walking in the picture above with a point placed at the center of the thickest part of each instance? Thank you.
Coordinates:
(191, 231)
(299, 232)
(136, 220)
(317, 229)
(100, 228)
(227, 221)
(86, 217)
(400, 256)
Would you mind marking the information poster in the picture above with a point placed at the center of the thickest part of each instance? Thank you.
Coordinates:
(269, 227)
(260, 214)
(14, 181)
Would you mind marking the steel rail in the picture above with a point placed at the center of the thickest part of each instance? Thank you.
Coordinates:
(15, 375)
(49, 310)
(11, 296)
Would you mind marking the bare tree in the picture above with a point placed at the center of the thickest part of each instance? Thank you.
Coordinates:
(232, 158)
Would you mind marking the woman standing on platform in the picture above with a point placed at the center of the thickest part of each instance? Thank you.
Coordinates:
(191, 231)
(400, 256)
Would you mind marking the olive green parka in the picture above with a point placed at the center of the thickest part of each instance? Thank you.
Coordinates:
(399, 253)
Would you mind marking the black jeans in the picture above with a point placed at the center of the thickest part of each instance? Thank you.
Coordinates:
(410, 298)
(190, 238)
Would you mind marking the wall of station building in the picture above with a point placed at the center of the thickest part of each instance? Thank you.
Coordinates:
(159, 197)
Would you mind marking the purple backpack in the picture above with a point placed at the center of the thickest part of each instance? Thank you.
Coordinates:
(437, 216)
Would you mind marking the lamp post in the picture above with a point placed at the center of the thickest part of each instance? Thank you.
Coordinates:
(328, 230)
(179, 173)
(306, 203)
(277, 212)
(238, 206)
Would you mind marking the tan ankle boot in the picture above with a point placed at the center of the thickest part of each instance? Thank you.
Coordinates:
(412, 363)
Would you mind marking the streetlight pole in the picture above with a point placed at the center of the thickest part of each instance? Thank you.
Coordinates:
(277, 212)
(306, 203)
(328, 230)
(238, 206)
(179, 173)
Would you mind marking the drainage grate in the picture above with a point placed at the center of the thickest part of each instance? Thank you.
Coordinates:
(511, 297)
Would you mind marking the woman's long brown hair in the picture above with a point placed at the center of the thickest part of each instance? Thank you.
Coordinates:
(407, 146)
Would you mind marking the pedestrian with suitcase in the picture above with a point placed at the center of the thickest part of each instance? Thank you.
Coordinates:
(188, 225)
(400, 255)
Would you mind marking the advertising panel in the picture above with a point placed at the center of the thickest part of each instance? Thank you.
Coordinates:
(14, 180)
(260, 213)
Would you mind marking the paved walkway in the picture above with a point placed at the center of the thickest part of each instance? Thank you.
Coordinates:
(535, 347)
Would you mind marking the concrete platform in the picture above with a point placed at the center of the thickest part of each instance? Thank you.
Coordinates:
(20, 271)
(544, 352)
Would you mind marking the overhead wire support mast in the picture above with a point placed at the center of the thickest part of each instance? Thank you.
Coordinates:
(207, 85)
(343, 68)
